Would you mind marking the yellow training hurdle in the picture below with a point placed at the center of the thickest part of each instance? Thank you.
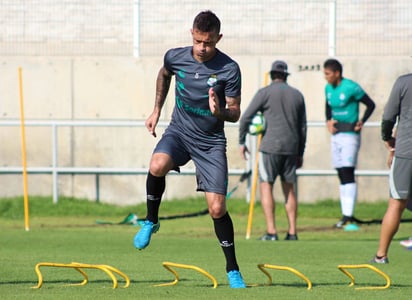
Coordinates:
(283, 268)
(168, 266)
(109, 270)
(367, 266)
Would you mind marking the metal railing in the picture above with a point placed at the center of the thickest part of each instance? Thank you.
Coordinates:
(55, 170)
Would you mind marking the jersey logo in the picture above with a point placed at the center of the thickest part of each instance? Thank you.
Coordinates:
(212, 80)
(342, 96)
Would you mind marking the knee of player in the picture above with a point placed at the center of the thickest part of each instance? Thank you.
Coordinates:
(217, 211)
(160, 165)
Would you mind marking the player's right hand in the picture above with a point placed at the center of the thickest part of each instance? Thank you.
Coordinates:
(243, 151)
(331, 126)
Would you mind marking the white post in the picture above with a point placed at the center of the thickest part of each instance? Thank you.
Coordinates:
(54, 162)
(136, 28)
(332, 29)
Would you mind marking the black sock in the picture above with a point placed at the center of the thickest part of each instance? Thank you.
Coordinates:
(225, 234)
(155, 186)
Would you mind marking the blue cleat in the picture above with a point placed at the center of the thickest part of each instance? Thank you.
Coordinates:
(142, 238)
(235, 280)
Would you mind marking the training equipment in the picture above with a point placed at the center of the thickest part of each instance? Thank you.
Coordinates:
(253, 192)
(109, 270)
(376, 270)
(131, 219)
(242, 178)
(235, 280)
(142, 238)
(351, 227)
(373, 221)
(257, 125)
(23, 152)
(283, 268)
(168, 266)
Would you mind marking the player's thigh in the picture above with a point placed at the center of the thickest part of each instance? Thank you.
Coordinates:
(345, 149)
(211, 168)
(172, 145)
(269, 167)
(336, 151)
(288, 173)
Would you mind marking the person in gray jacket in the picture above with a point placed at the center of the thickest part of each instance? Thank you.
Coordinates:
(397, 110)
(282, 145)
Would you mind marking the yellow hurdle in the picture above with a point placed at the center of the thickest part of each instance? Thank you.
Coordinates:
(367, 266)
(168, 266)
(79, 266)
(283, 268)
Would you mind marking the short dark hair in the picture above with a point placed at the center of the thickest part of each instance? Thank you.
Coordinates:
(334, 65)
(207, 21)
(278, 75)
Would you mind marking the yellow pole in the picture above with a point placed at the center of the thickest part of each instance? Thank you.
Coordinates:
(255, 176)
(23, 151)
(266, 79)
(253, 192)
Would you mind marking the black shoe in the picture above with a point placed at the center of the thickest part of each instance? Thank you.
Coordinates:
(269, 237)
(291, 237)
(342, 222)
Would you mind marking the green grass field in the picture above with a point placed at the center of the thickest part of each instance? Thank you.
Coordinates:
(67, 232)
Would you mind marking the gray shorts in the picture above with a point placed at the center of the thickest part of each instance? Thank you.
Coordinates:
(273, 165)
(400, 178)
(209, 159)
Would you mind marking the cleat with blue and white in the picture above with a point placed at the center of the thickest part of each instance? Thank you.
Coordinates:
(407, 244)
(236, 280)
(142, 238)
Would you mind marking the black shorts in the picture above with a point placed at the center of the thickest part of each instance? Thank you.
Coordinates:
(273, 165)
(210, 159)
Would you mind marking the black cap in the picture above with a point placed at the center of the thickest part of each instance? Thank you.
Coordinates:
(280, 67)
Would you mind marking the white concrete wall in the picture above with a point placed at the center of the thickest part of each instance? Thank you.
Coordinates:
(90, 88)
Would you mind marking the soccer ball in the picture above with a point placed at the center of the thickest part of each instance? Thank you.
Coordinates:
(258, 125)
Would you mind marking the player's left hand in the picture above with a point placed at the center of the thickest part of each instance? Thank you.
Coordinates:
(390, 159)
(151, 122)
(390, 145)
(358, 126)
(214, 102)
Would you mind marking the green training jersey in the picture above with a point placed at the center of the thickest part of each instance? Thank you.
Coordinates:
(344, 100)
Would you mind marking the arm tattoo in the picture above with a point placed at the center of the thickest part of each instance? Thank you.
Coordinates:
(162, 87)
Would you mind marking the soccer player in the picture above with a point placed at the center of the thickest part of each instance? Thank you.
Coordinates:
(207, 93)
(282, 146)
(397, 109)
(342, 119)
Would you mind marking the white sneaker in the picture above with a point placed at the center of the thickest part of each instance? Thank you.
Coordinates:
(407, 243)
